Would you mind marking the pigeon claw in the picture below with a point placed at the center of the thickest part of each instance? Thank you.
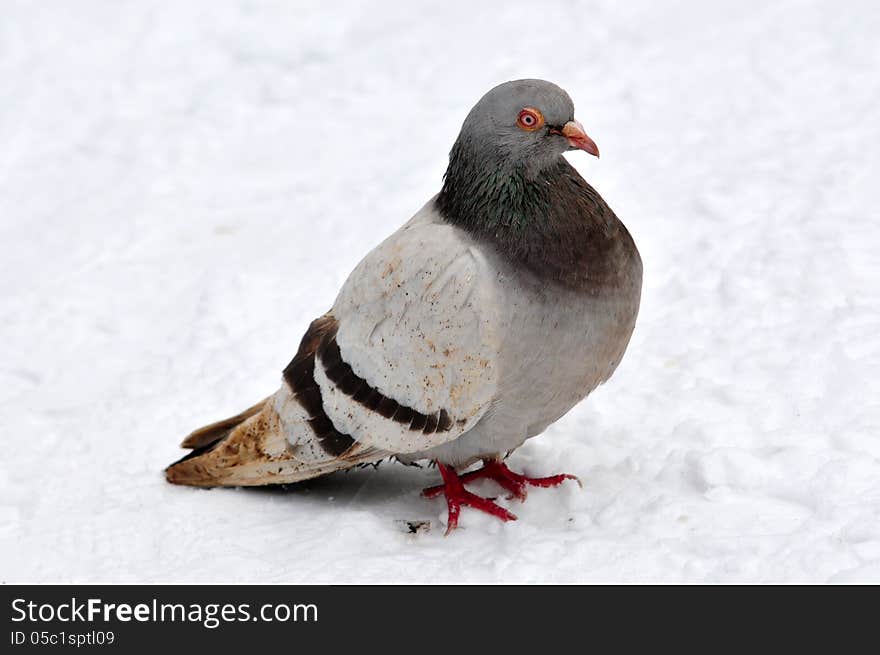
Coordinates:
(516, 483)
(496, 470)
(457, 495)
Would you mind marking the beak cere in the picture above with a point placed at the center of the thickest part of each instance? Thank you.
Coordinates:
(577, 138)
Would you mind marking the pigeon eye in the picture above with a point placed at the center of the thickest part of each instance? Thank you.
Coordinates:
(530, 119)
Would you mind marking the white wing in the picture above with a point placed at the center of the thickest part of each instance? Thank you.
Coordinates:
(417, 337)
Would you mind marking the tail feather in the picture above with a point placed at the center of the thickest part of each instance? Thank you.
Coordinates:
(215, 431)
(252, 449)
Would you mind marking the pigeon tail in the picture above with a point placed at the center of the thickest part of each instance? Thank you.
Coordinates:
(255, 451)
(210, 434)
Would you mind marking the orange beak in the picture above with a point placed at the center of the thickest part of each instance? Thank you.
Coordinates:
(577, 138)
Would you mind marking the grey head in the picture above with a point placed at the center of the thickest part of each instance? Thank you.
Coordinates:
(509, 186)
(524, 124)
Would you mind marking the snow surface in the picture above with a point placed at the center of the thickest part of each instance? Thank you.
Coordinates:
(184, 186)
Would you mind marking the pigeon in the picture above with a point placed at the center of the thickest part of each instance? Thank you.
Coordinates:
(501, 304)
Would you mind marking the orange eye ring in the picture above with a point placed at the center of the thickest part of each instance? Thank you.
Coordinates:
(530, 119)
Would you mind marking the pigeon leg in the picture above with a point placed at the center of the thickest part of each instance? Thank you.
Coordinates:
(515, 483)
(457, 495)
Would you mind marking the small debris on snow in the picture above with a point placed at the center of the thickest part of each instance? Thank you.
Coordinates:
(418, 526)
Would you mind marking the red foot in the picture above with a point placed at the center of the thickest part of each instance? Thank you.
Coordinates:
(457, 495)
(515, 483)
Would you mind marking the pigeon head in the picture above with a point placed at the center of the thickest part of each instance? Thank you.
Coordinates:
(523, 124)
(508, 185)
(509, 149)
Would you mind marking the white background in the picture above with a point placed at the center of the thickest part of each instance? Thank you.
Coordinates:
(184, 186)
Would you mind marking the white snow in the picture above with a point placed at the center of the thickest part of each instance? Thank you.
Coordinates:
(184, 186)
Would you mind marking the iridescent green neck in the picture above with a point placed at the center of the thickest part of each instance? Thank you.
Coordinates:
(548, 220)
(486, 196)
